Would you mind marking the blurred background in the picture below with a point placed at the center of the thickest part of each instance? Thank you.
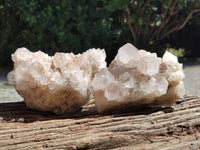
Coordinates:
(77, 25)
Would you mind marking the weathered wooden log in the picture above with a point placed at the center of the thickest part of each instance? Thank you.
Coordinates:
(176, 127)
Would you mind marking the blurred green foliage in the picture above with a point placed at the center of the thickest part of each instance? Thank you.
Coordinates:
(72, 25)
(151, 22)
(177, 52)
(77, 25)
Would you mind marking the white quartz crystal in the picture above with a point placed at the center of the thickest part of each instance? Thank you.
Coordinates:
(138, 78)
(59, 83)
(127, 52)
(148, 65)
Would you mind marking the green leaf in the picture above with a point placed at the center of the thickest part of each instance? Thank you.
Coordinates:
(158, 23)
(113, 5)
(140, 21)
(111, 19)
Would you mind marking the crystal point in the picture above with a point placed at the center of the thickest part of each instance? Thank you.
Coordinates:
(127, 53)
(148, 65)
(137, 78)
(59, 83)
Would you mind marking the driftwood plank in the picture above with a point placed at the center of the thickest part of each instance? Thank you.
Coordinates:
(176, 127)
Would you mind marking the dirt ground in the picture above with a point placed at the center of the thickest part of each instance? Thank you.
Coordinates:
(192, 78)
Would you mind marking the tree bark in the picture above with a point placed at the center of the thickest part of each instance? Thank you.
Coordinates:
(130, 25)
(177, 28)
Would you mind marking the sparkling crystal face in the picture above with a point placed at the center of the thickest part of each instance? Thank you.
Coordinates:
(138, 78)
(127, 53)
(62, 83)
(59, 83)
(148, 65)
(102, 79)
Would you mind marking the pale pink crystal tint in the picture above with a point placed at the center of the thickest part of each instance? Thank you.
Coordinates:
(137, 78)
(59, 83)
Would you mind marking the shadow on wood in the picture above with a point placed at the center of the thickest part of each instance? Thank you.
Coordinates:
(17, 111)
(176, 127)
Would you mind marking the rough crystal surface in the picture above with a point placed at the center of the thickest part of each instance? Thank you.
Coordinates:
(137, 78)
(59, 83)
(127, 52)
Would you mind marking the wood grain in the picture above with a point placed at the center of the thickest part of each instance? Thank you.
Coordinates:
(176, 127)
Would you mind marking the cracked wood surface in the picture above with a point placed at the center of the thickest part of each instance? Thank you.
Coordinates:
(176, 127)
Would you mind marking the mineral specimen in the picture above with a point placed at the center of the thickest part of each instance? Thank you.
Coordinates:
(59, 83)
(138, 78)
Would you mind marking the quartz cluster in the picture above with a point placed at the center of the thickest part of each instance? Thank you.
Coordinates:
(137, 78)
(58, 83)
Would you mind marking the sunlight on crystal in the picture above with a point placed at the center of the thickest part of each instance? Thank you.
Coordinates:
(138, 78)
(59, 83)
